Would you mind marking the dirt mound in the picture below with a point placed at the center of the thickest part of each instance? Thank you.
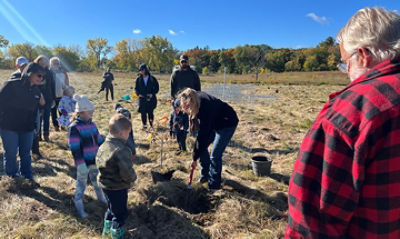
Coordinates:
(175, 194)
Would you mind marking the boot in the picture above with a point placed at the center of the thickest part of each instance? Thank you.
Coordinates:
(100, 195)
(106, 230)
(80, 209)
(46, 136)
(117, 233)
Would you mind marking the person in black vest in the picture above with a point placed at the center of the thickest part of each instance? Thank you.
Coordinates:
(210, 116)
(146, 88)
(107, 83)
(184, 78)
(19, 102)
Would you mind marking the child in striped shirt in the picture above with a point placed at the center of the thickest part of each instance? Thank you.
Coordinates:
(84, 140)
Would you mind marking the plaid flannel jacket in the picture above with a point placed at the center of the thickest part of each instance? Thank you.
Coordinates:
(346, 179)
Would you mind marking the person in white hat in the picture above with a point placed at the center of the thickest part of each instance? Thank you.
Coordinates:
(20, 64)
(84, 140)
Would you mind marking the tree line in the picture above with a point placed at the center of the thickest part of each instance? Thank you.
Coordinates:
(160, 55)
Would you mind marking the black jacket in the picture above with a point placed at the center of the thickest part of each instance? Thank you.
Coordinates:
(145, 104)
(213, 115)
(18, 104)
(108, 79)
(48, 87)
(181, 79)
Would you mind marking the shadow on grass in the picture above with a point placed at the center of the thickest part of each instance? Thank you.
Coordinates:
(280, 178)
(63, 203)
(278, 202)
(140, 159)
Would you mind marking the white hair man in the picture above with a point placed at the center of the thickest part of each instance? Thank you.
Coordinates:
(346, 179)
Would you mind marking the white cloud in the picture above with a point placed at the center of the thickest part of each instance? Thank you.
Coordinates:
(321, 20)
(172, 32)
(181, 32)
(137, 31)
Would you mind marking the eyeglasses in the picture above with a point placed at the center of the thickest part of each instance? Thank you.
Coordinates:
(342, 66)
(183, 61)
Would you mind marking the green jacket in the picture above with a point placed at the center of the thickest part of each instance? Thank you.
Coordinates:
(115, 166)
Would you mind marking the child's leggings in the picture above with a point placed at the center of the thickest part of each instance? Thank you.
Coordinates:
(81, 179)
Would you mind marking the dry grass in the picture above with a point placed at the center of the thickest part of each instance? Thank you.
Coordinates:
(246, 207)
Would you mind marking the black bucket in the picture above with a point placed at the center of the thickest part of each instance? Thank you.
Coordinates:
(261, 165)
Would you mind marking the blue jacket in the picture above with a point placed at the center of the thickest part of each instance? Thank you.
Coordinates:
(179, 122)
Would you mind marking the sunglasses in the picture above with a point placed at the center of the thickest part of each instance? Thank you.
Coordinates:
(183, 61)
(40, 75)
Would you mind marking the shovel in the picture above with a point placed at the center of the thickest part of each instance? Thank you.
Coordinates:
(189, 188)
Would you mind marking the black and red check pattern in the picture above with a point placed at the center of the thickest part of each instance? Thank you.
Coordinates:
(346, 179)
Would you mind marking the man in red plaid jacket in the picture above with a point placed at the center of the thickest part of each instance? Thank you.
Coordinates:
(346, 179)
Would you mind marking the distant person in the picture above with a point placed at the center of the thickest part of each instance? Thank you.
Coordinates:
(19, 102)
(116, 174)
(345, 181)
(106, 84)
(61, 80)
(178, 126)
(210, 116)
(131, 140)
(184, 78)
(84, 140)
(20, 64)
(66, 107)
(47, 87)
(146, 88)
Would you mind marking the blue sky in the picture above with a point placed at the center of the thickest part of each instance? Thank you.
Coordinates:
(187, 24)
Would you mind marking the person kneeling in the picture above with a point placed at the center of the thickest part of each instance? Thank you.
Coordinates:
(116, 174)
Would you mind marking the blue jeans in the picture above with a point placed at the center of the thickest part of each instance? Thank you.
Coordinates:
(212, 168)
(117, 210)
(12, 143)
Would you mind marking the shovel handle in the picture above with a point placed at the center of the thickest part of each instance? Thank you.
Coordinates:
(191, 175)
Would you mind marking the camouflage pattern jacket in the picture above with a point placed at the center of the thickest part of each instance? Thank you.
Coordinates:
(115, 166)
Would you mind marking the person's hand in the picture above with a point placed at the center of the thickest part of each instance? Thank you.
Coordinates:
(132, 157)
(140, 96)
(193, 165)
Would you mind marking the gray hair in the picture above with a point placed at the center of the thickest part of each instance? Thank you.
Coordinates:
(54, 59)
(376, 29)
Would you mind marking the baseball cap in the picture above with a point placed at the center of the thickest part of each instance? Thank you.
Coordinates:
(21, 61)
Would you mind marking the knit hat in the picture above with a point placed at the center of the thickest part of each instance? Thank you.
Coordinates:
(21, 61)
(183, 58)
(143, 67)
(82, 103)
(121, 110)
(177, 103)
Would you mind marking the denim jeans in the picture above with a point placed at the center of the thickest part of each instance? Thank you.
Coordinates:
(14, 142)
(117, 210)
(212, 168)
(81, 179)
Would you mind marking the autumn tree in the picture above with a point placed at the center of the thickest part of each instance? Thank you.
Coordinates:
(98, 48)
(26, 49)
(69, 57)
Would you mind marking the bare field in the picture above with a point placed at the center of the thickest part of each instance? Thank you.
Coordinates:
(274, 117)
